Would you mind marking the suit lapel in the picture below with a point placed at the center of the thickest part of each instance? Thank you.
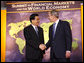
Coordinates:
(57, 29)
(39, 31)
(33, 30)
(51, 31)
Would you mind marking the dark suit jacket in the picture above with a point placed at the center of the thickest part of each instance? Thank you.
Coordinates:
(62, 40)
(33, 41)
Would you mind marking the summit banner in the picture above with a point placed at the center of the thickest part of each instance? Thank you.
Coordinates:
(41, 5)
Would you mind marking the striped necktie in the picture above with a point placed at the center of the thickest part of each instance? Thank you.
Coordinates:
(54, 29)
(36, 30)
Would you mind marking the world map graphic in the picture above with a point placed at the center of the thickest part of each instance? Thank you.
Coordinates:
(19, 26)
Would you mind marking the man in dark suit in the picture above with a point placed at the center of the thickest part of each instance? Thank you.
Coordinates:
(34, 40)
(60, 39)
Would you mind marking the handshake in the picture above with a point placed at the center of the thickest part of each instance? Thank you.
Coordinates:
(42, 46)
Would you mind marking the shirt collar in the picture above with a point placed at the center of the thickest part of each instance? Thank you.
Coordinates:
(57, 21)
(33, 26)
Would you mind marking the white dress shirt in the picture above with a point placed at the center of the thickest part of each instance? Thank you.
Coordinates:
(57, 21)
(34, 27)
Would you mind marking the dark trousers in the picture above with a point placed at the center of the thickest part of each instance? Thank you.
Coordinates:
(34, 60)
(54, 59)
(60, 60)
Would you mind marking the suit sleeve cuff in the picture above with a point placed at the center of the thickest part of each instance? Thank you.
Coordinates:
(68, 51)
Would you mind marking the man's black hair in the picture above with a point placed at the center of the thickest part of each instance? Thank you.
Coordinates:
(32, 17)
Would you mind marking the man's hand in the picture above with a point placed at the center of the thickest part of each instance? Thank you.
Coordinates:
(42, 46)
(68, 54)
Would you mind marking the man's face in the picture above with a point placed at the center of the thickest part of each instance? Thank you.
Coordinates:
(36, 21)
(50, 17)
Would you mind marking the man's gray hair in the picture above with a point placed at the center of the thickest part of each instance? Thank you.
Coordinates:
(55, 13)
